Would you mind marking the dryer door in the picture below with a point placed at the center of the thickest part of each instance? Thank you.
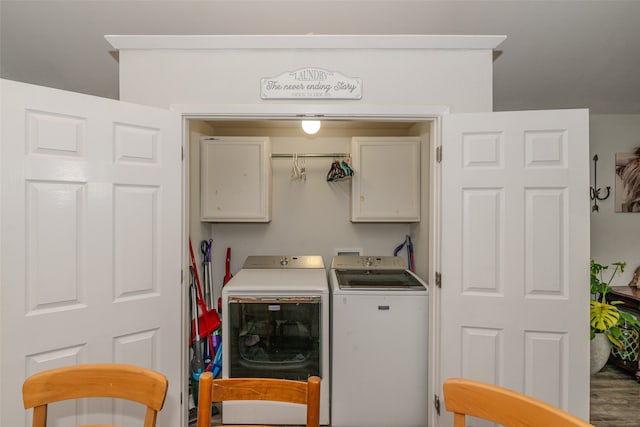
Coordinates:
(274, 336)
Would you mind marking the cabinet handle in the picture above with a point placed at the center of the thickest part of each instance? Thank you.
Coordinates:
(383, 307)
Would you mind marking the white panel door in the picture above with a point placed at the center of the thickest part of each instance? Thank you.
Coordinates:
(90, 249)
(515, 254)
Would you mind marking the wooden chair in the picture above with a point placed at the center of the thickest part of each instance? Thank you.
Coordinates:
(503, 406)
(220, 390)
(119, 381)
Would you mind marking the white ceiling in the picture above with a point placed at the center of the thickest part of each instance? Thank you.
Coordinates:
(558, 54)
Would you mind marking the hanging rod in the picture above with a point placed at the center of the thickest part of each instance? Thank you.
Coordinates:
(281, 155)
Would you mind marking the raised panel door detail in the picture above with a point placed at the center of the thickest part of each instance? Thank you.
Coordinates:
(235, 179)
(66, 412)
(54, 134)
(56, 239)
(482, 353)
(139, 348)
(546, 366)
(545, 242)
(54, 358)
(482, 232)
(386, 179)
(546, 149)
(483, 150)
(136, 144)
(135, 241)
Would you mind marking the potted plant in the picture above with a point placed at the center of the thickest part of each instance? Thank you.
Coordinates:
(605, 317)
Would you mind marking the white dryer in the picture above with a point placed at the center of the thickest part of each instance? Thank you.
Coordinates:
(379, 336)
(276, 325)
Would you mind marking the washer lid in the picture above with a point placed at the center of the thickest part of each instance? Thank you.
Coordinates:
(379, 280)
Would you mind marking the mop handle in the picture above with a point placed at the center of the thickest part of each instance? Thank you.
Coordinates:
(201, 303)
(195, 268)
(194, 314)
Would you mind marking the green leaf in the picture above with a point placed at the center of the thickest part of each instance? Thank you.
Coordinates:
(603, 315)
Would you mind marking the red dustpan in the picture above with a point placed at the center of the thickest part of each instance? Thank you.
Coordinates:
(208, 319)
(207, 323)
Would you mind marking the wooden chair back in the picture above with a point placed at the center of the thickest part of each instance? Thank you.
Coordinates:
(502, 406)
(278, 390)
(119, 381)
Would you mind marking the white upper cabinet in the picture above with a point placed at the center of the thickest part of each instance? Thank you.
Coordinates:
(386, 179)
(235, 179)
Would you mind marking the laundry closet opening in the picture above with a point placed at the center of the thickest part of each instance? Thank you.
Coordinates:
(310, 213)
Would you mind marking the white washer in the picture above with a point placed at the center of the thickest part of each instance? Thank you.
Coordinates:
(379, 343)
(276, 325)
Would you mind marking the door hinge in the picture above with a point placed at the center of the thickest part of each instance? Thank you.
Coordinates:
(438, 279)
(436, 403)
(439, 154)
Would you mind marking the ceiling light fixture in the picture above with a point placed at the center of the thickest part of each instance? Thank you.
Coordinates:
(311, 126)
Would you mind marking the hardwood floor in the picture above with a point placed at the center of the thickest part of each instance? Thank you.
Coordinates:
(615, 398)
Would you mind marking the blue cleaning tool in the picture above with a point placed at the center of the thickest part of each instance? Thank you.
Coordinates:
(407, 243)
(398, 249)
(217, 362)
(409, 253)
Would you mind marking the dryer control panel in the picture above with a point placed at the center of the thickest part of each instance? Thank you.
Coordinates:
(283, 261)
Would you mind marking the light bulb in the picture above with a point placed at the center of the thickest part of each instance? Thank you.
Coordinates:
(311, 126)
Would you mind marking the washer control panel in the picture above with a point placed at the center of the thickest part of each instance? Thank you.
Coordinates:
(355, 262)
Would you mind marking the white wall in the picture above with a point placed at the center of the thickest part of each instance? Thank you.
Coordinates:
(614, 236)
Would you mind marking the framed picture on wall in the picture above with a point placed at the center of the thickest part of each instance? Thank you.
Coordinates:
(627, 197)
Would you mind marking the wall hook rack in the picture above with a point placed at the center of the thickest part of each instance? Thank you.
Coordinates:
(595, 191)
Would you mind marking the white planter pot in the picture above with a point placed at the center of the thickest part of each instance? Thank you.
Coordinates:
(600, 350)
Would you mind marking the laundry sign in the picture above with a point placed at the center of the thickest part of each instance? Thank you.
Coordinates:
(311, 83)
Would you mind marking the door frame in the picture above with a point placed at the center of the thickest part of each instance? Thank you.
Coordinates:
(289, 111)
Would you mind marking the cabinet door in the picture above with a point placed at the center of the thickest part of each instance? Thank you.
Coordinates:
(235, 179)
(386, 179)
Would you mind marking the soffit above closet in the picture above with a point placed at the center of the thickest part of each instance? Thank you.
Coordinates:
(330, 128)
